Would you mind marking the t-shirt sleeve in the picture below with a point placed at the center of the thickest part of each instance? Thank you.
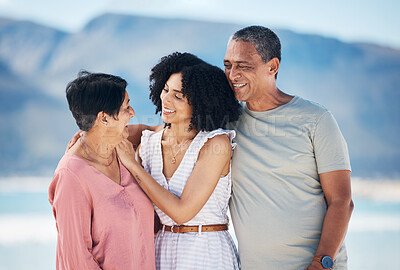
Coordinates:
(72, 212)
(330, 147)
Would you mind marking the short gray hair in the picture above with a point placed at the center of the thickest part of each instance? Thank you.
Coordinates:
(265, 41)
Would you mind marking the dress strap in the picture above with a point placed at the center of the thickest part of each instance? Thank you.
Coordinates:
(148, 147)
(202, 138)
(209, 135)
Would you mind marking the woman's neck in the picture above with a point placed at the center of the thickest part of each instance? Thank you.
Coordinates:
(97, 144)
(179, 133)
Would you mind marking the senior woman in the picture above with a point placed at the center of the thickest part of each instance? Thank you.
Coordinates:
(103, 218)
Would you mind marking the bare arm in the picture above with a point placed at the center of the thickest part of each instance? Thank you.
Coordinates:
(199, 187)
(135, 132)
(337, 189)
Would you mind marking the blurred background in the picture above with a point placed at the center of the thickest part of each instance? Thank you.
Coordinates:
(344, 55)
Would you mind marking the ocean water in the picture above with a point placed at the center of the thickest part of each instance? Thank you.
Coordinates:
(28, 233)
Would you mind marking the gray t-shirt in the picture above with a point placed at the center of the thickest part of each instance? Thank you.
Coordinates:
(277, 205)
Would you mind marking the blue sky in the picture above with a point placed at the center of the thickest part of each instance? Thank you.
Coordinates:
(355, 20)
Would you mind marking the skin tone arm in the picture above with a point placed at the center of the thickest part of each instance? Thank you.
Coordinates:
(135, 133)
(337, 189)
(213, 160)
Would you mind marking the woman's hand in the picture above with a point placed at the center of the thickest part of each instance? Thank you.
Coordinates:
(126, 153)
(74, 139)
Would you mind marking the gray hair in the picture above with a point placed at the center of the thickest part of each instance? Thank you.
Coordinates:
(265, 41)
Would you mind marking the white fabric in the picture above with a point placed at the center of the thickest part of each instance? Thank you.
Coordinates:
(210, 250)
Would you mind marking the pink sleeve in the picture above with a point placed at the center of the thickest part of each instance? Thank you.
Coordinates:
(72, 212)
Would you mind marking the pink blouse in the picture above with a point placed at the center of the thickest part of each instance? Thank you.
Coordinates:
(100, 224)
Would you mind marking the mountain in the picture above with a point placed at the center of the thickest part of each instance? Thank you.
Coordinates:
(359, 83)
(22, 40)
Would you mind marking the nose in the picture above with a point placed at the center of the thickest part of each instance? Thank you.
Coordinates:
(233, 74)
(131, 112)
(165, 97)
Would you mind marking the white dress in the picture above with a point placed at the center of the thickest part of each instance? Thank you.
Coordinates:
(206, 250)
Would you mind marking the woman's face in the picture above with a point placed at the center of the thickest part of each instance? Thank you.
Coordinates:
(175, 107)
(118, 125)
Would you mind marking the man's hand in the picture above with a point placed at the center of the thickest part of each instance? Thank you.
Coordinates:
(315, 266)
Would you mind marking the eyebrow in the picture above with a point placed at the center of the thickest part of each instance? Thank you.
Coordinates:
(174, 89)
(239, 62)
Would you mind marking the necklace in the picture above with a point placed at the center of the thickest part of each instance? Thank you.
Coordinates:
(85, 146)
(173, 159)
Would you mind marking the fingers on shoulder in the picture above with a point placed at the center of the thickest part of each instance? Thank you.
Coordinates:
(77, 135)
(127, 142)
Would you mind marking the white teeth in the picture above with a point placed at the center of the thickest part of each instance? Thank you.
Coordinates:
(168, 111)
(239, 85)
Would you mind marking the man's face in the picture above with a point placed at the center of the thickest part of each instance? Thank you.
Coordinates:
(245, 70)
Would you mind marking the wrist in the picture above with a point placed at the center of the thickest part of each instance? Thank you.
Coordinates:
(315, 266)
(134, 165)
(324, 261)
(130, 163)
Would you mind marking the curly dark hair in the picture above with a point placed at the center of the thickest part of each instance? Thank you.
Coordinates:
(168, 65)
(205, 87)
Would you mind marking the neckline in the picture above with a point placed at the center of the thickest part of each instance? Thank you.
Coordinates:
(161, 156)
(121, 171)
(293, 100)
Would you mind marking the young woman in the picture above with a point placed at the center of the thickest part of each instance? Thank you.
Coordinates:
(103, 218)
(186, 164)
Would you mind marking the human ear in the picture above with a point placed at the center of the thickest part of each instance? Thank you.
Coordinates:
(273, 66)
(103, 118)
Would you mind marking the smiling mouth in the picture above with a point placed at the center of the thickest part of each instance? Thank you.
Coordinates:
(238, 85)
(166, 111)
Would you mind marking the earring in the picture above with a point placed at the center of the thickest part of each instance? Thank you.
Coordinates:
(105, 121)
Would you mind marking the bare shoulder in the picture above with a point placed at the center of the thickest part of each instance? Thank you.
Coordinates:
(157, 128)
(219, 139)
(217, 145)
